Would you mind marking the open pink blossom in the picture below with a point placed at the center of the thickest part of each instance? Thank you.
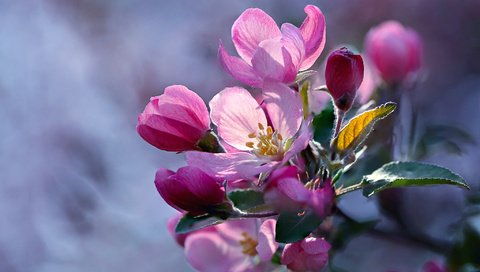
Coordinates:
(310, 254)
(271, 53)
(260, 144)
(233, 246)
(189, 189)
(175, 120)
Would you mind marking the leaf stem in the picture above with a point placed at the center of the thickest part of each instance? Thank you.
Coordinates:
(351, 188)
(241, 214)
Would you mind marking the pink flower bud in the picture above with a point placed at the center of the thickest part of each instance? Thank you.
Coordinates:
(322, 200)
(310, 254)
(395, 51)
(343, 75)
(189, 189)
(175, 120)
(284, 191)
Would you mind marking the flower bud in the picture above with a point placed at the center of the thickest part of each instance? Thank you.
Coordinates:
(310, 254)
(284, 191)
(343, 75)
(174, 121)
(395, 51)
(189, 189)
(322, 199)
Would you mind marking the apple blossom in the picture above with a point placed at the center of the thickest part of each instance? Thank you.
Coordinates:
(271, 53)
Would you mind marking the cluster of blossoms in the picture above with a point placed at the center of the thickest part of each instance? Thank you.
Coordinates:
(261, 172)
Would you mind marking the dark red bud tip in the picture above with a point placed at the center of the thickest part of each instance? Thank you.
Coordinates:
(343, 75)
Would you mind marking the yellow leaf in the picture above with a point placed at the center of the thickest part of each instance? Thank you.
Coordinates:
(358, 128)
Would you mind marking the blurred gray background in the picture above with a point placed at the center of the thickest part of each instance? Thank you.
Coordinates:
(76, 181)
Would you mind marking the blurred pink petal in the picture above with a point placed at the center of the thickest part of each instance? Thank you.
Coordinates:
(310, 254)
(292, 40)
(266, 240)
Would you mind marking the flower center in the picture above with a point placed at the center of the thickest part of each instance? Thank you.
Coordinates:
(269, 142)
(249, 245)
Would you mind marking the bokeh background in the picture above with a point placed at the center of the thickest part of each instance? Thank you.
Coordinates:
(76, 181)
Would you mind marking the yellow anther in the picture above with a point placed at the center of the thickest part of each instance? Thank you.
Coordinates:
(260, 126)
(250, 144)
(249, 245)
(269, 130)
(252, 135)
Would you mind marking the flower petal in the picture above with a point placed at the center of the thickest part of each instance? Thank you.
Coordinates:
(230, 166)
(238, 68)
(300, 143)
(266, 240)
(284, 108)
(313, 245)
(273, 61)
(252, 27)
(201, 185)
(233, 230)
(313, 31)
(292, 40)
(294, 190)
(290, 253)
(207, 251)
(236, 114)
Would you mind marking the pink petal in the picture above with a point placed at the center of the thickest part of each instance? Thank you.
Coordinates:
(292, 40)
(290, 253)
(201, 185)
(236, 114)
(266, 240)
(304, 136)
(230, 166)
(273, 61)
(233, 230)
(238, 68)
(284, 108)
(313, 32)
(294, 189)
(252, 27)
(195, 109)
(207, 251)
(314, 246)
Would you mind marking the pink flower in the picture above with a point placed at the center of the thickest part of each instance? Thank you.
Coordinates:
(233, 246)
(267, 52)
(310, 254)
(343, 75)
(189, 189)
(395, 51)
(243, 125)
(175, 120)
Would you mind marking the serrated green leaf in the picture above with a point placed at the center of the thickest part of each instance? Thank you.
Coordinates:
(356, 131)
(190, 223)
(323, 124)
(402, 174)
(292, 227)
(246, 200)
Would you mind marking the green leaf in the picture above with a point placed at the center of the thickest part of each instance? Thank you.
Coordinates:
(401, 174)
(356, 131)
(246, 200)
(292, 227)
(323, 124)
(190, 223)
